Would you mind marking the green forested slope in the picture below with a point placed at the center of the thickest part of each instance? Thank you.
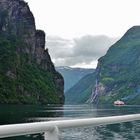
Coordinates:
(27, 75)
(119, 70)
(81, 91)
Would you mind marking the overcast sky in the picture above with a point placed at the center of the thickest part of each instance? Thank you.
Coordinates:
(78, 52)
(71, 24)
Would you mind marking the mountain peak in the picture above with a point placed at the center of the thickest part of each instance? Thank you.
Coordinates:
(132, 33)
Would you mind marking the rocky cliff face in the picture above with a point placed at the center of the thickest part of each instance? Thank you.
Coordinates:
(28, 60)
(118, 71)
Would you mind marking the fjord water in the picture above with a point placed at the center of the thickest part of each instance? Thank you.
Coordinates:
(10, 114)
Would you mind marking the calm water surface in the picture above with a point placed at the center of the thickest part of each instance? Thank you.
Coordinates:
(10, 114)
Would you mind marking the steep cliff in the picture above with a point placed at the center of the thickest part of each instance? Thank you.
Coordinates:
(27, 74)
(118, 72)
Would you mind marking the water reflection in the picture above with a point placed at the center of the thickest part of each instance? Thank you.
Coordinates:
(122, 131)
(10, 114)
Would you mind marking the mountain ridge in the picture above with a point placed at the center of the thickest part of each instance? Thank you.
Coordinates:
(118, 71)
(117, 74)
(72, 75)
(27, 74)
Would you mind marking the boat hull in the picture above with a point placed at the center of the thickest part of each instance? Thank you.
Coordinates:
(118, 103)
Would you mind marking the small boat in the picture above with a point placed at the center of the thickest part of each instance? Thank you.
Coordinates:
(118, 102)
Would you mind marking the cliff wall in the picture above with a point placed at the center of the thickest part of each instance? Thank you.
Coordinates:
(27, 73)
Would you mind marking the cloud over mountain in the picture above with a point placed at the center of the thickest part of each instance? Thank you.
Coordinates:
(83, 50)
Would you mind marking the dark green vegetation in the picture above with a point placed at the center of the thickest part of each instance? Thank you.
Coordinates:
(27, 75)
(21, 82)
(72, 75)
(119, 70)
(81, 91)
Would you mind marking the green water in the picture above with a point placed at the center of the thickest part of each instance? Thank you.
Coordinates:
(10, 114)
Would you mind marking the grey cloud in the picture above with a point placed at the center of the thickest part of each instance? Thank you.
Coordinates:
(59, 47)
(54, 41)
(94, 46)
(80, 50)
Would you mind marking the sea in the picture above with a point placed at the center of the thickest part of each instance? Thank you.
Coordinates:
(13, 114)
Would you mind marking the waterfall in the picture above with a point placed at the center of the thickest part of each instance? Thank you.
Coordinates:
(94, 94)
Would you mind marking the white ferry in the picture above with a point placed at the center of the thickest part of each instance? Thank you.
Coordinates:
(118, 102)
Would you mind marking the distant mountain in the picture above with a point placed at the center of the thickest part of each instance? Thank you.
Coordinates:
(118, 72)
(81, 91)
(72, 75)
